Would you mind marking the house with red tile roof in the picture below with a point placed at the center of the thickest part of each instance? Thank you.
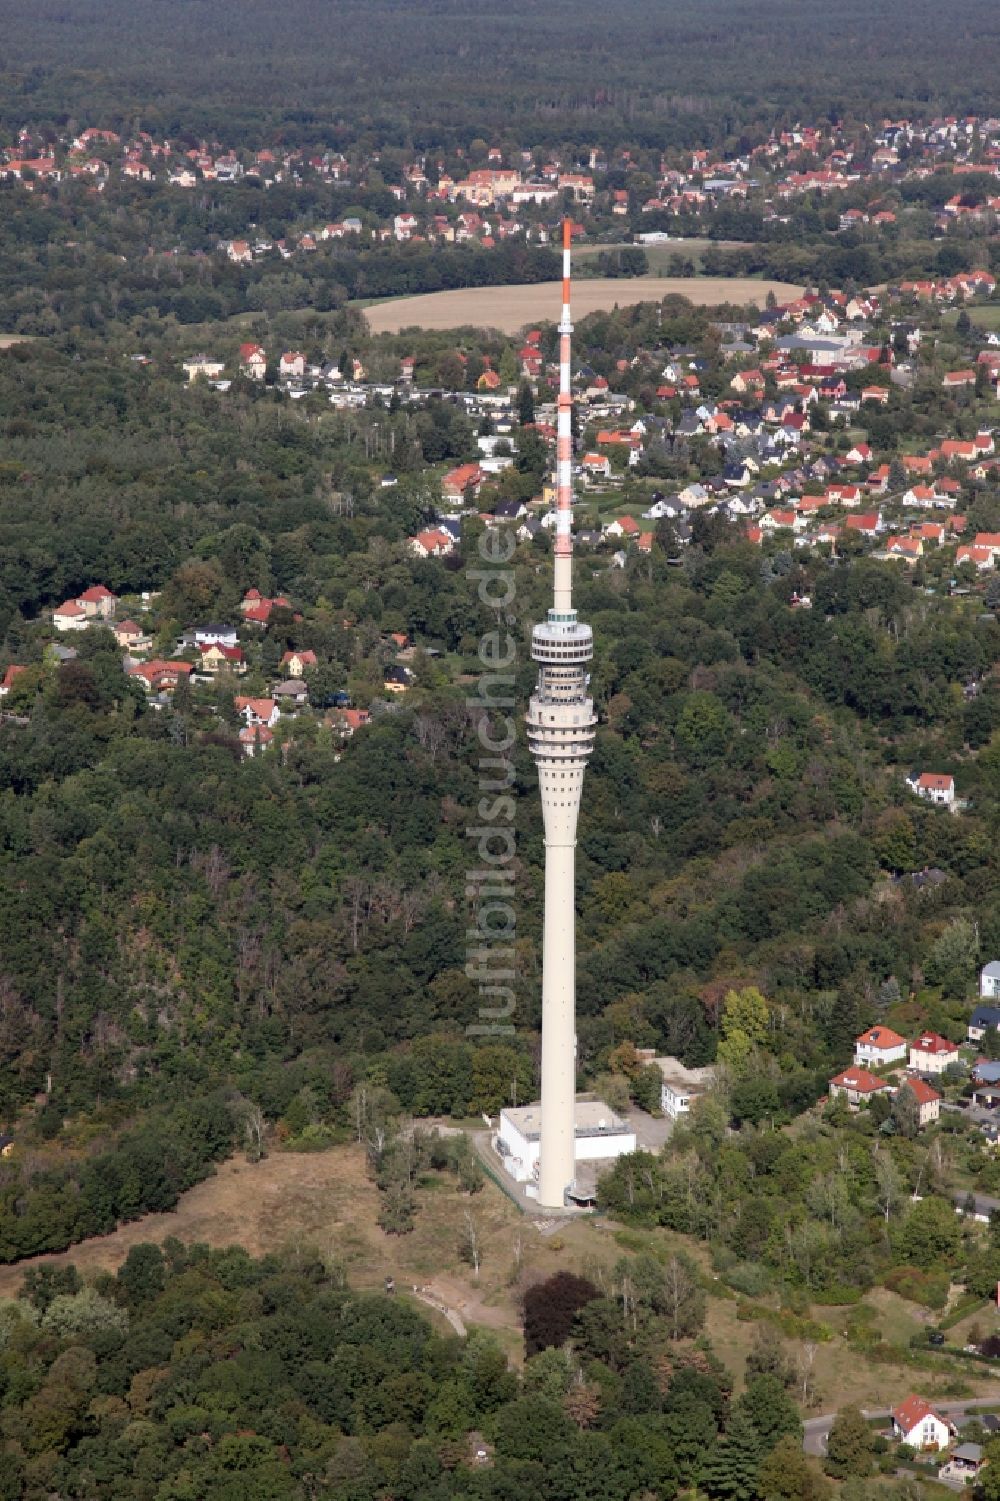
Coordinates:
(905, 549)
(253, 361)
(858, 1086)
(254, 739)
(433, 543)
(258, 711)
(928, 1100)
(9, 677)
(917, 1423)
(933, 786)
(981, 558)
(159, 676)
(295, 663)
(879, 1046)
(596, 465)
(463, 478)
(930, 1053)
(217, 657)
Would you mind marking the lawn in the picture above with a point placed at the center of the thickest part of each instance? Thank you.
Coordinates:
(983, 315)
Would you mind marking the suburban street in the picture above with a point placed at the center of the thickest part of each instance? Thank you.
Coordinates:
(816, 1430)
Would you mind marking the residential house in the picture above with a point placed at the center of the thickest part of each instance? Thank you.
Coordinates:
(216, 658)
(928, 1101)
(857, 1086)
(916, 1423)
(623, 526)
(879, 1047)
(253, 361)
(292, 365)
(202, 365)
(204, 635)
(159, 676)
(12, 672)
(98, 603)
(296, 663)
(434, 543)
(596, 465)
(258, 711)
(70, 616)
(463, 479)
(255, 739)
(291, 693)
(984, 1019)
(906, 549)
(131, 637)
(933, 787)
(256, 608)
(989, 980)
(930, 1053)
(397, 679)
(347, 722)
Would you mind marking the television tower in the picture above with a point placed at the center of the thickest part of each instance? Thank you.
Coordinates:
(560, 723)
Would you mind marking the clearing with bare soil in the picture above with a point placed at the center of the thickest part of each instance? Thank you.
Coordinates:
(510, 308)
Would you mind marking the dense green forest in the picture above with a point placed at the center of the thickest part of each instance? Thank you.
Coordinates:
(195, 1373)
(436, 72)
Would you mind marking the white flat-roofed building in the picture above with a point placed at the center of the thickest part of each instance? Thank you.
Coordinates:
(682, 1086)
(601, 1135)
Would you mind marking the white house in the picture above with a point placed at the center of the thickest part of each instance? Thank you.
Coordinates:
(933, 786)
(258, 711)
(989, 980)
(600, 1135)
(878, 1047)
(681, 1086)
(930, 1053)
(916, 1423)
(204, 366)
(292, 365)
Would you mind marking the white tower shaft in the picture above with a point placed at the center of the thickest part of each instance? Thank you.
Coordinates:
(560, 724)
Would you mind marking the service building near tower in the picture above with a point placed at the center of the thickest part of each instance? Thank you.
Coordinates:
(600, 1135)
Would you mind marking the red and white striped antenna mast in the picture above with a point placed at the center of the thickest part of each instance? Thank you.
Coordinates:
(563, 591)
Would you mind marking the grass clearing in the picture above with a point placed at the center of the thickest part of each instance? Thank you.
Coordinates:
(324, 1200)
(660, 256)
(510, 308)
(982, 315)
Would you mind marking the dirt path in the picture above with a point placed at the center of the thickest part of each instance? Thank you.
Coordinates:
(451, 1314)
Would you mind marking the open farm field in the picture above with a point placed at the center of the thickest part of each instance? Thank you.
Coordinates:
(510, 308)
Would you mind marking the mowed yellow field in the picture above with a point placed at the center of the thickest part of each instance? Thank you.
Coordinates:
(510, 308)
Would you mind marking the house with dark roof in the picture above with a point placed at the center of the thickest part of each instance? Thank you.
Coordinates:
(984, 1019)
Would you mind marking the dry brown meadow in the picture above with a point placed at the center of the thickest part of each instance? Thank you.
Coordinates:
(325, 1201)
